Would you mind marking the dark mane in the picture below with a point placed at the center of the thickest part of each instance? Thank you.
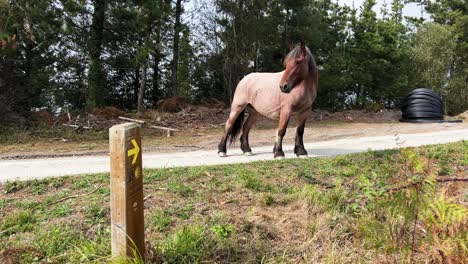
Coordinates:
(296, 53)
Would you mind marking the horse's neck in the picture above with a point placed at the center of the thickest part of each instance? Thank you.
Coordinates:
(310, 83)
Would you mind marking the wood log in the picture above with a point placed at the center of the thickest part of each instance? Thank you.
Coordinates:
(168, 129)
(165, 128)
(132, 120)
(77, 127)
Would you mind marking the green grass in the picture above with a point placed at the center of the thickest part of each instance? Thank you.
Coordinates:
(160, 220)
(186, 245)
(325, 210)
(19, 221)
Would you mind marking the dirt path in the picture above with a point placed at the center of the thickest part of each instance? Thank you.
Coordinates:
(325, 132)
(47, 167)
(208, 138)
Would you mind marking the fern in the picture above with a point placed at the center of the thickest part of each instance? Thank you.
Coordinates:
(443, 213)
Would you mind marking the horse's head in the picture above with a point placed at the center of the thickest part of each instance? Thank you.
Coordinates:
(297, 67)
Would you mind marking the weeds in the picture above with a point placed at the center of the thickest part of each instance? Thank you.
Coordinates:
(55, 241)
(12, 186)
(186, 245)
(160, 220)
(222, 231)
(21, 221)
(252, 181)
(95, 213)
(181, 189)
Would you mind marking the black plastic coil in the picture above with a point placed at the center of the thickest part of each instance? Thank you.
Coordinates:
(422, 105)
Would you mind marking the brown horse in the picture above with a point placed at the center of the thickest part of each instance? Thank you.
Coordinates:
(277, 96)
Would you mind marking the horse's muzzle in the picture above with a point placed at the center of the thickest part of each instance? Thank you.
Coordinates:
(285, 88)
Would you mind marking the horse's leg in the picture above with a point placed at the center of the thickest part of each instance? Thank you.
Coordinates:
(253, 116)
(235, 111)
(285, 115)
(299, 149)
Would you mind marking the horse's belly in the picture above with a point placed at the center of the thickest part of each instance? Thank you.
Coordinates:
(266, 105)
(271, 115)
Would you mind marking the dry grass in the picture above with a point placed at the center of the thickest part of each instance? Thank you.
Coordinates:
(328, 210)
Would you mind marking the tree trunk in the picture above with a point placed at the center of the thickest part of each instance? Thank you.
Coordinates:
(136, 88)
(141, 92)
(95, 95)
(155, 96)
(155, 93)
(175, 49)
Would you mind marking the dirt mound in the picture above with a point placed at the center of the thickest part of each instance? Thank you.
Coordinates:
(173, 104)
(213, 103)
(382, 116)
(192, 116)
(13, 255)
(12, 119)
(107, 113)
(41, 118)
(463, 116)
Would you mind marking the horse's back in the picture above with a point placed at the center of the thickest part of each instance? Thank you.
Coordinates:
(261, 91)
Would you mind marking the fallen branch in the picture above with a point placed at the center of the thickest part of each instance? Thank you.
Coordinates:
(186, 146)
(165, 128)
(131, 119)
(155, 187)
(69, 116)
(75, 196)
(398, 188)
(77, 127)
(318, 182)
(226, 202)
(8, 229)
(168, 129)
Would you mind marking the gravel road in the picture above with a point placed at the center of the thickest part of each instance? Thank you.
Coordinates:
(27, 169)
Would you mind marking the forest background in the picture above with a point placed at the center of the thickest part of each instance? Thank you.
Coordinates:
(76, 55)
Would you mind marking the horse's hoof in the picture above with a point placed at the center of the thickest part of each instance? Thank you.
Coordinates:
(248, 153)
(303, 156)
(222, 154)
(280, 157)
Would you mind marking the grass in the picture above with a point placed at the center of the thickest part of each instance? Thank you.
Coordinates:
(326, 210)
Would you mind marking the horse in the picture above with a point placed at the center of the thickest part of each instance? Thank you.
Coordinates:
(276, 95)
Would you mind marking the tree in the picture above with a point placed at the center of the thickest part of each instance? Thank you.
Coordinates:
(250, 32)
(432, 57)
(130, 54)
(175, 48)
(185, 64)
(28, 33)
(161, 26)
(96, 77)
(376, 56)
(71, 76)
(452, 16)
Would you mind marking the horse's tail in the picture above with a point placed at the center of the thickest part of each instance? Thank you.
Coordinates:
(236, 128)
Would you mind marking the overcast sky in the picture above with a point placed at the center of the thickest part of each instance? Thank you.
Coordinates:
(412, 9)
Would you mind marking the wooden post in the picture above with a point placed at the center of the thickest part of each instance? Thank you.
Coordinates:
(126, 196)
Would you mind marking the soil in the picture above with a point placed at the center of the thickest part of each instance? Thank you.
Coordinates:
(200, 127)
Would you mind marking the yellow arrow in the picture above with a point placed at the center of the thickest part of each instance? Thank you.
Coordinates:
(134, 151)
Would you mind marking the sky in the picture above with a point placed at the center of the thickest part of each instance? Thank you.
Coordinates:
(412, 9)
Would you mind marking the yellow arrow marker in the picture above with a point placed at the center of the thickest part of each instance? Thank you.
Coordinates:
(134, 151)
(137, 172)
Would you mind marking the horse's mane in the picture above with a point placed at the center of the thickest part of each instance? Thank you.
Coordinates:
(296, 53)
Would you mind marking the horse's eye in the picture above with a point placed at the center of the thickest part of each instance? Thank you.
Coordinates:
(298, 62)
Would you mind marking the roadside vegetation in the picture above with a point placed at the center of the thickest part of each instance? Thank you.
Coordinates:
(392, 206)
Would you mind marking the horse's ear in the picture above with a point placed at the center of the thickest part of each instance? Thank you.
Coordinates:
(290, 46)
(303, 46)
